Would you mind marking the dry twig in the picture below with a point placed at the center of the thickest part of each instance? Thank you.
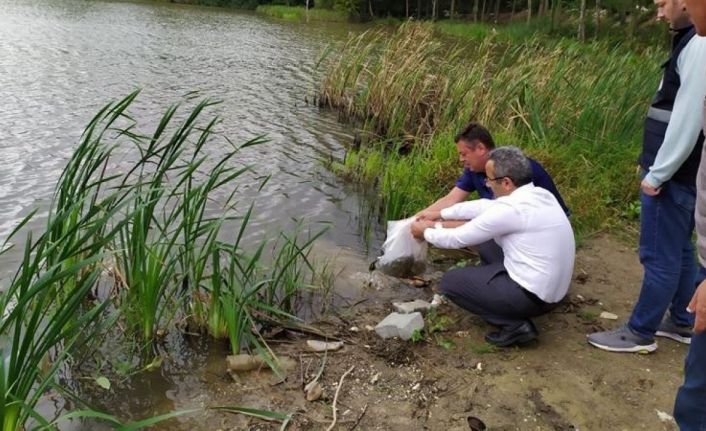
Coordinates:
(335, 397)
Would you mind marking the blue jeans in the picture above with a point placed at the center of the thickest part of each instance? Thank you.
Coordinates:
(667, 255)
(690, 405)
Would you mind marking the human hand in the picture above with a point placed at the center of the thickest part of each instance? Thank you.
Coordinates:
(418, 228)
(698, 306)
(648, 189)
(428, 215)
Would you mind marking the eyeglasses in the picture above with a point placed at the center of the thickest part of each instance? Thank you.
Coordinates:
(487, 180)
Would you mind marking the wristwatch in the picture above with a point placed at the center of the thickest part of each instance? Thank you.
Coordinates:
(438, 225)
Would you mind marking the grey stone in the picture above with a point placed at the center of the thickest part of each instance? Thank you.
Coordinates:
(411, 306)
(400, 325)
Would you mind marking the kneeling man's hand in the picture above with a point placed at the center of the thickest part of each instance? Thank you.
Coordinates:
(429, 215)
(418, 228)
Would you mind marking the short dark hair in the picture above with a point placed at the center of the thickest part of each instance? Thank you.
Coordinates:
(473, 133)
(512, 163)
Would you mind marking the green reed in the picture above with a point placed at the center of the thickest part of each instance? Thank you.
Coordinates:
(156, 226)
(578, 108)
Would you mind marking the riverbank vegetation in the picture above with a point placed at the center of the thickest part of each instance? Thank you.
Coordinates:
(578, 108)
(145, 236)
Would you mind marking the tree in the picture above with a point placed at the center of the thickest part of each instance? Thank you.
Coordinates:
(582, 21)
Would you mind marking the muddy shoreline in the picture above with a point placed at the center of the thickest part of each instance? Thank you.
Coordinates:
(556, 383)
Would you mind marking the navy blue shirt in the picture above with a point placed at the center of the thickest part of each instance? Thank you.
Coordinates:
(472, 181)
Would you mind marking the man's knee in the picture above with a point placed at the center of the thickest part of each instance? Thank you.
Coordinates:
(451, 283)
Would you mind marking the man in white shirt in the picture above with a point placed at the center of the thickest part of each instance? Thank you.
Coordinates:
(526, 244)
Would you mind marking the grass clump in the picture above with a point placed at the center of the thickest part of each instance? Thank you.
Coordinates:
(301, 14)
(578, 108)
(139, 234)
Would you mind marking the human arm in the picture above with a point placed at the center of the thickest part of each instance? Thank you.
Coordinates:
(433, 211)
(698, 307)
(496, 219)
(685, 121)
(419, 226)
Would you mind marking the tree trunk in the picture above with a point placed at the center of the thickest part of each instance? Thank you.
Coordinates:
(497, 11)
(433, 9)
(406, 9)
(475, 10)
(597, 19)
(452, 12)
(529, 11)
(556, 11)
(512, 11)
(419, 9)
(370, 8)
(582, 21)
(482, 12)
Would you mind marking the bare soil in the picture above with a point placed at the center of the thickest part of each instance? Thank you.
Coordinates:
(557, 383)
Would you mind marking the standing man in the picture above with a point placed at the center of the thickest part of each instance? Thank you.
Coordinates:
(690, 405)
(474, 143)
(670, 158)
(525, 242)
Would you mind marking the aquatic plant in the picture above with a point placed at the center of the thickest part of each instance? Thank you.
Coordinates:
(142, 240)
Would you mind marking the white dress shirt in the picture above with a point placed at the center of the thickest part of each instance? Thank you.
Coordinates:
(530, 227)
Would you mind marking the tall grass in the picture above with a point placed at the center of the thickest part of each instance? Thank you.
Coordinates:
(156, 224)
(578, 108)
(300, 14)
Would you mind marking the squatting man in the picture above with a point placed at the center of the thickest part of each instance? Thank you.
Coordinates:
(526, 246)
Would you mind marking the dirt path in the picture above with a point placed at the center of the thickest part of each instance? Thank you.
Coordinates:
(557, 383)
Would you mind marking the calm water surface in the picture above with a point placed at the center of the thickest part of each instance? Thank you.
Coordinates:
(61, 61)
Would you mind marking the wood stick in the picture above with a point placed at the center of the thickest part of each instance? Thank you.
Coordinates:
(335, 397)
(357, 421)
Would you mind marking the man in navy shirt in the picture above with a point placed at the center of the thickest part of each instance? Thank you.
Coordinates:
(474, 143)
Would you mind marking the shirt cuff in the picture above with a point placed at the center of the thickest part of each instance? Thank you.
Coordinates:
(651, 180)
(429, 234)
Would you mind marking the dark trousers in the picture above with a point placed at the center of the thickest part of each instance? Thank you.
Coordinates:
(488, 291)
(690, 406)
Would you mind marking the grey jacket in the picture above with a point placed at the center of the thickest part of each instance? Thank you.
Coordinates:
(701, 203)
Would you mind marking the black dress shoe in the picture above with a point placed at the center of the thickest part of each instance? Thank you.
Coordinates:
(507, 337)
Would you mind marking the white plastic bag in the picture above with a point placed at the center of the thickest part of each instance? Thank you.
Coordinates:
(403, 255)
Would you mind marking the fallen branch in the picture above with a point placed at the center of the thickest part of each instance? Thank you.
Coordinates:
(335, 397)
(357, 421)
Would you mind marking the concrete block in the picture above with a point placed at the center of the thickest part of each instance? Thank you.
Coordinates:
(400, 325)
(412, 306)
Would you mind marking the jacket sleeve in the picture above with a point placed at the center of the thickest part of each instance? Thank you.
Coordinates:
(685, 122)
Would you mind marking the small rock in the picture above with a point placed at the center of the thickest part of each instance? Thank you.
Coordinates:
(580, 297)
(411, 306)
(438, 300)
(479, 366)
(369, 328)
(322, 346)
(239, 363)
(313, 391)
(416, 387)
(665, 417)
(400, 325)
(375, 379)
(609, 316)
(354, 329)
